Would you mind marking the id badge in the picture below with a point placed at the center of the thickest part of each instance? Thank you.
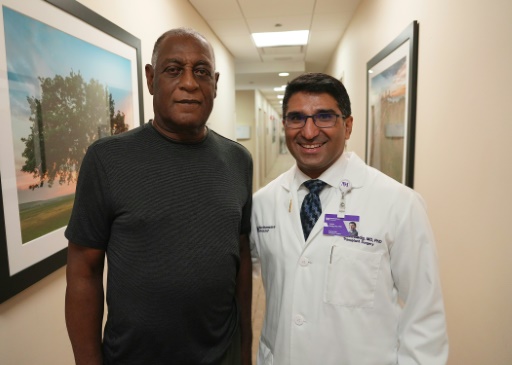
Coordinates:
(346, 226)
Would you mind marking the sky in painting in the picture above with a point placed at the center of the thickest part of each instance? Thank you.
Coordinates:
(391, 81)
(35, 49)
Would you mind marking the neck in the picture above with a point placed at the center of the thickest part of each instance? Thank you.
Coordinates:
(190, 135)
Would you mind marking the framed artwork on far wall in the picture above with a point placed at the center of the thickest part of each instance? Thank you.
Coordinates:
(391, 107)
(67, 78)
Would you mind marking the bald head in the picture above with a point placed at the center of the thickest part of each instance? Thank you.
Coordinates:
(180, 32)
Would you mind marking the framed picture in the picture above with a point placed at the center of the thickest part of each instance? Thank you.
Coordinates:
(391, 107)
(67, 77)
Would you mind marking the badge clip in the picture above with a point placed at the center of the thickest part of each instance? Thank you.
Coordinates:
(345, 187)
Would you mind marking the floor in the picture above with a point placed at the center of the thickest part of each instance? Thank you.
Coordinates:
(283, 163)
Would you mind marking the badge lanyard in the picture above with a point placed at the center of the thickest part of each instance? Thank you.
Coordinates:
(335, 224)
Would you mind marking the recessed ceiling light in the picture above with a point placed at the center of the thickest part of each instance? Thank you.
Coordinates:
(280, 88)
(284, 74)
(273, 39)
(280, 96)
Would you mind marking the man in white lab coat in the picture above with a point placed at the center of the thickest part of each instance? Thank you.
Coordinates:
(332, 298)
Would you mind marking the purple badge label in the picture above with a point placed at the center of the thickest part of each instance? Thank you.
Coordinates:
(334, 226)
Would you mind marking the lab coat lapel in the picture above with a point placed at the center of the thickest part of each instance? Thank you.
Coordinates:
(331, 207)
(292, 217)
(357, 174)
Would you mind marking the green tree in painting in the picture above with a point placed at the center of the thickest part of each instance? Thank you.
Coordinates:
(117, 124)
(68, 117)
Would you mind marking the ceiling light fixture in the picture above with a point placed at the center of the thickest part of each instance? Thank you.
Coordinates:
(274, 39)
(283, 74)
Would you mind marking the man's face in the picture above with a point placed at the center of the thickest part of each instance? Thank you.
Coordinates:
(352, 226)
(316, 149)
(183, 84)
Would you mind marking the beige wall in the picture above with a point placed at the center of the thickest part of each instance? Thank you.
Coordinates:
(32, 327)
(246, 116)
(268, 126)
(254, 110)
(462, 150)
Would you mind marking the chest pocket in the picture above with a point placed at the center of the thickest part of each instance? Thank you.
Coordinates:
(351, 277)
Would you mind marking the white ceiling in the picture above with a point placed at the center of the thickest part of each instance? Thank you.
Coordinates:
(233, 21)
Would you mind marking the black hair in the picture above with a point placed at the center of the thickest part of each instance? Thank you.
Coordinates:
(317, 83)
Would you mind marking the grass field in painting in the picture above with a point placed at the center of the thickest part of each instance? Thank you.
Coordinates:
(41, 217)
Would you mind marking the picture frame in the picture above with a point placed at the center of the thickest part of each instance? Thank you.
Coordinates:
(65, 43)
(391, 106)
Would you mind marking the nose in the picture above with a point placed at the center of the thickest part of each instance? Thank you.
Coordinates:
(188, 80)
(310, 130)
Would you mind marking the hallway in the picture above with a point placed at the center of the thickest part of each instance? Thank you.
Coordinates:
(283, 163)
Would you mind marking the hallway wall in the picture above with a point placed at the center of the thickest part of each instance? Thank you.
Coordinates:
(462, 149)
(32, 327)
(254, 111)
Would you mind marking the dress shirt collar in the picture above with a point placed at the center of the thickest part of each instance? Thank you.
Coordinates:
(332, 176)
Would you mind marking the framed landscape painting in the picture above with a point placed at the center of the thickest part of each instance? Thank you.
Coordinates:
(391, 107)
(68, 78)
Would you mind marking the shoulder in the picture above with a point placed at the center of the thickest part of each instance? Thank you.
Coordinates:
(122, 139)
(229, 146)
(400, 198)
(379, 186)
(132, 145)
(268, 193)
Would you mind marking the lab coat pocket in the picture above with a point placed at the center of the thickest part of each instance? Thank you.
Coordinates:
(351, 277)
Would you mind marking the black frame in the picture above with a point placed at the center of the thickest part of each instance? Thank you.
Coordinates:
(409, 34)
(12, 285)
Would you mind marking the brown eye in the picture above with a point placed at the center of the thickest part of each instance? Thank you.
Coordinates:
(174, 71)
(202, 72)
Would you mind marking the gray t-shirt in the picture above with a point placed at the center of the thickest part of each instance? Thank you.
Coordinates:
(169, 216)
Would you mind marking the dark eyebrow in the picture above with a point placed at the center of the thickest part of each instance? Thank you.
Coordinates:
(330, 111)
(318, 111)
(181, 62)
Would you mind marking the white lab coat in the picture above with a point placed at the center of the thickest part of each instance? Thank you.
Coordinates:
(335, 300)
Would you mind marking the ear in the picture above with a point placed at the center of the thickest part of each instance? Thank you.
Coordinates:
(216, 81)
(347, 124)
(150, 76)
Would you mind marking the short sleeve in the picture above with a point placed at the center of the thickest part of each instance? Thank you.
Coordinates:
(91, 216)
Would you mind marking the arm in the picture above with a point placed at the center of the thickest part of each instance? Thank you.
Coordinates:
(84, 303)
(244, 297)
(422, 326)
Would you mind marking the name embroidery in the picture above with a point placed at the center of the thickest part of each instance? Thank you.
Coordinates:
(264, 229)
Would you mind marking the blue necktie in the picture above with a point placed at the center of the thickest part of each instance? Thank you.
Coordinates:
(311, 208)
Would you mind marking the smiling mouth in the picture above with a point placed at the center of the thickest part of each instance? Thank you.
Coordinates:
(311, 146)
